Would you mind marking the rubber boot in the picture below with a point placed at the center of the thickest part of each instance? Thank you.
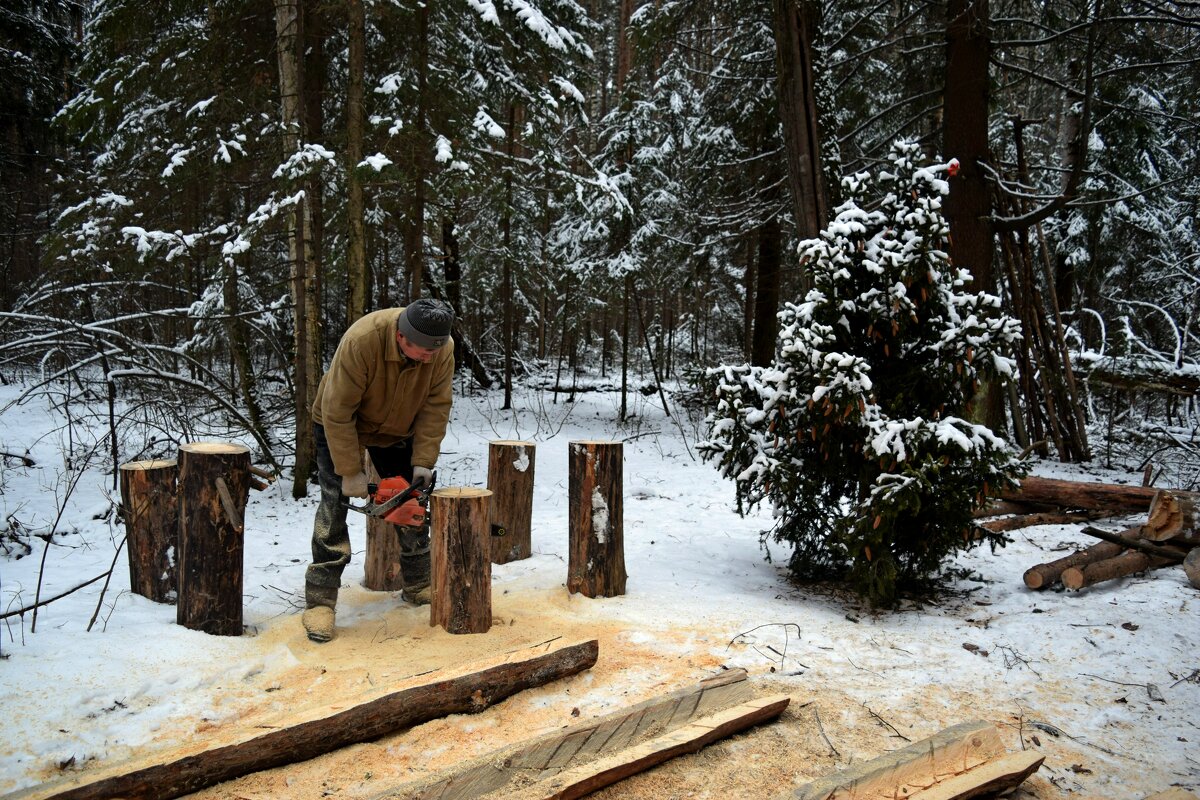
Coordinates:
(414, 565)
(318, 623)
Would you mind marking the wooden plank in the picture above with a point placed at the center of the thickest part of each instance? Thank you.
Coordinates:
(998, 775)
(583, 780)
(547, 755)
(918, 766)
(328, 729)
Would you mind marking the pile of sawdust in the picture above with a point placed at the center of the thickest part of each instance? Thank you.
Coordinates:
(822, 729)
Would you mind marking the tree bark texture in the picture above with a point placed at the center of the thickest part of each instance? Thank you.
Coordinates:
(356, 247)
(214, 484)
(766, 299)
(327, 730)
(381, 565)
(596, 564)
(510, 480)
(150, 505)
(461, 578)
(1078, 494)
(1044, 575)
(1191, 567)
(796, 25)
(1127, 563)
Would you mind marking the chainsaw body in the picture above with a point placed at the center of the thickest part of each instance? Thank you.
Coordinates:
(397, 501)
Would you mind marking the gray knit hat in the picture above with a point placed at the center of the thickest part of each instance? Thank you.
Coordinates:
(426, 323)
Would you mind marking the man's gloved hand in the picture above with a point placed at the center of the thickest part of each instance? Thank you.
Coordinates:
(422, 476)
(355, 485)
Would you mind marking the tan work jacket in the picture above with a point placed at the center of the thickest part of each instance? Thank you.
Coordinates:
(374, 395)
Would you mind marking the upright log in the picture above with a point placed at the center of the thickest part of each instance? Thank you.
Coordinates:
(381, 567)
(461, 577)
(596, 564)
(510, 479)
(150, 506)
(214, 483)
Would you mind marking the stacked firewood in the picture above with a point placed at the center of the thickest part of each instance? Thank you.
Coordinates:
(1169, 535)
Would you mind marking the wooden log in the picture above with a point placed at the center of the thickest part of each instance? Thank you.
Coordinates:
(999, 775)
(918, 766)
(510, 479)
(596, 562)
(995, 508)
(584, 780)
(1043, 518)
(1129, 538)
(1172, 518)
(329, 728)
(461, 578)
(1043, 575)
(150, 506)
(546, 756)
(1079, 494)
(1127, 563)
(214, 484)
(381, 565)
(1191, 567)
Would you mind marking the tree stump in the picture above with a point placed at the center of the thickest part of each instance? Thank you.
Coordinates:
(214, 484)
(1172, 518)
(596, 565)
(150, 507)
(460, 553)
(382, 564)
(510, 479)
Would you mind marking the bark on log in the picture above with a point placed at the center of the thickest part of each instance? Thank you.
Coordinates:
(918, 766)
(552, 753)
(1191, 567)
(461, 577)
(1043, 575)
(990, 779)
(584, 780)
(150, 505)
(381, 565)
(596, 564)
(1078, 494)
(996, 508)
(1172, 518)
(210, 536)
(1126, 563)
(326, 730)
(1129, 539)
(1041, 518)
(510, 478)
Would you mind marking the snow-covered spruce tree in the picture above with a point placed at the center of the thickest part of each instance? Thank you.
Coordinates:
(855, 433)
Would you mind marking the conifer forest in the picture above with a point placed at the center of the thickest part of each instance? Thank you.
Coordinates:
(868, 253)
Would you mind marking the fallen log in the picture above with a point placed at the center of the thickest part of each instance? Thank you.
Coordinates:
(1126, 540)
(1043, 518)
(918, 766)
(1079, 494)
(1191, 567)
(1172, 518)
(546, 756)
(695, 736)
(1127, 563)
(325, 730)
(1043, 575)
(1004, 773)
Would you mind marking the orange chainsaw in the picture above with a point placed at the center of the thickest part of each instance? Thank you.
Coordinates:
(397, 501)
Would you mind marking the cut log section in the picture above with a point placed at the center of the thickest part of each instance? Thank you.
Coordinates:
(1172, 518)
(1127, 563)
(150, 506)
(381, 565)
(548, 755)
(1004, 773)
(918, 766)
(214, 484)
(596, 561)
(510, 479)
(584, 780)
(461, 559)
(1191, 567)
(326, 730)
(1044, 575)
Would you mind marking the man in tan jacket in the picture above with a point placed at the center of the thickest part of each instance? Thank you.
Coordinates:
(388, 389)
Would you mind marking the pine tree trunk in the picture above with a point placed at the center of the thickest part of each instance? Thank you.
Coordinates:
(150, 505)
(766, 301)
(214, 483)
(356, 247)
(510, 480)
(596, 564)
(414, 240)
(461, 577)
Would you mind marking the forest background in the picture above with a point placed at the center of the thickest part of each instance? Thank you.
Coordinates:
(197, 198)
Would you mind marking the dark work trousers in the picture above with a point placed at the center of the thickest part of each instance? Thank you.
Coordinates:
(331, 539)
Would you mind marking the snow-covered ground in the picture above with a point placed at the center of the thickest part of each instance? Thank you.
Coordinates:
(1110, 676)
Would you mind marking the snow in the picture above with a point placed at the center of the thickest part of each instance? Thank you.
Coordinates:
(1081, 663)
